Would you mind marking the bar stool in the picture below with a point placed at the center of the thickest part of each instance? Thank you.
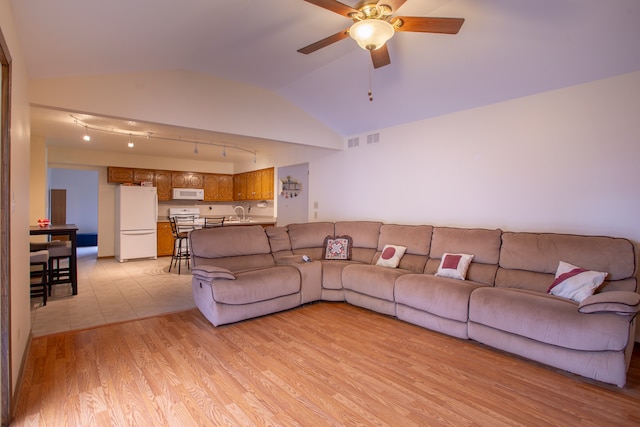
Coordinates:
(211, 222)
(59, 251)
(39, 261)
(180, 246)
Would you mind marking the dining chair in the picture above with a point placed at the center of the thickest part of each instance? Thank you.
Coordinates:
(39, 261)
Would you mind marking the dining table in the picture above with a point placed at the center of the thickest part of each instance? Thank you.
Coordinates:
(70, 230)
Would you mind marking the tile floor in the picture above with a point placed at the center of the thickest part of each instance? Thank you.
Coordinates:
(110, 291)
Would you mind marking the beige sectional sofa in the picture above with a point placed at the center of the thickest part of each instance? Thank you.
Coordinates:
(244, 272)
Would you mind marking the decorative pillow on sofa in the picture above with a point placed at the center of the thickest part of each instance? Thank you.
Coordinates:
(454, 266)
(575, 283)
(337, 247)
(391, 255)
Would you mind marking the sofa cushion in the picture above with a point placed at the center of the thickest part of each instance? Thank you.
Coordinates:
(278, 239)
(444, 297)
(257, 285)
(364, 235)
(371, 280)
(548, 319)
(337, 248)
(391, 256)
(530, 260)
(417, 240)
(309, 235)
(221, 242)
(574, 282)
(542, 252)
(483, 244)
(332, 273)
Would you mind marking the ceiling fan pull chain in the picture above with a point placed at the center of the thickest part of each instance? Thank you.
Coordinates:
(370, 85)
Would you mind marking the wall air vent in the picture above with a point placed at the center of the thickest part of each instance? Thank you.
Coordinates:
(373, 138)
(353, 142)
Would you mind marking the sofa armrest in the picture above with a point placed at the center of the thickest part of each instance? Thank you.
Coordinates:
(618, 302)
(212, 272)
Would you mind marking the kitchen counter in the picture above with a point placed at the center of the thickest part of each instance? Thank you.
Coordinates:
(254, 220)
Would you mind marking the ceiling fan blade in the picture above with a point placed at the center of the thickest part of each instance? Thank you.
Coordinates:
(380, 57)
(324, 42)
(430, 25)
(394, 5)
(334, 6)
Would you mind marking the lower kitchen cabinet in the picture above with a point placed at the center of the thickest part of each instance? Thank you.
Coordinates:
(165, 239)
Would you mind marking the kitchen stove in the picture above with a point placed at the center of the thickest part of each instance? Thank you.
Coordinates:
(186, 218)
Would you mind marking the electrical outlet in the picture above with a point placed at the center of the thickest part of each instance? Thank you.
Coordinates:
(315, 215)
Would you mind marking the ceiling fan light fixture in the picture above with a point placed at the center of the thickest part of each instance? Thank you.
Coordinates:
(371, 34)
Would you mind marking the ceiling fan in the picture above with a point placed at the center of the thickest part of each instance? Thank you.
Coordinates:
(374, 25)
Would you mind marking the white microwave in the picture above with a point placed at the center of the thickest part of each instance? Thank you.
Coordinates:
(188, 194)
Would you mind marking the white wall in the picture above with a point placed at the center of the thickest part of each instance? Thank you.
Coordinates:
(293, 210)
(19, 188)
(187, 99)
(560, 161)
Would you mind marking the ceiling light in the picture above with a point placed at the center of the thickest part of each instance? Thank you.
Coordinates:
(371, 34)
(130, 144)
(86, 136)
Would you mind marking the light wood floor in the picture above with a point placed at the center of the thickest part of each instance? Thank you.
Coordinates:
(326, 364)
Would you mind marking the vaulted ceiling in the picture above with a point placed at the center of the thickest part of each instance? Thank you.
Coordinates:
(505, 49)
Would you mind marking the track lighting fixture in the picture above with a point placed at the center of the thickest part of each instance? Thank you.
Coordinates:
(86, 136)
(150, 135)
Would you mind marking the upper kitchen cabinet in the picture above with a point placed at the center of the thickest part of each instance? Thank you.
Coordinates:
(119, 175)
(255, 185)
(267, 177)
(141, 175)
(240, 186)
(218, 188)
(187, 180)
(163, 185)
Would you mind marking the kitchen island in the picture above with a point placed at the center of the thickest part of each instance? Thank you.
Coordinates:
(165, 238)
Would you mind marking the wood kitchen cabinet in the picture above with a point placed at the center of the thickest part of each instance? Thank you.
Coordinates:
(165, 239)
(240, 186)
(254, 185)
(218, 188)
(267, 183)
(117, 175)
(140, 175)
(187, 180)
(163, 185)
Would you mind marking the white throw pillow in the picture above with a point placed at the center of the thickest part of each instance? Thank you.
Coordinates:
(575, 283)
(454, 266)
(391, 255)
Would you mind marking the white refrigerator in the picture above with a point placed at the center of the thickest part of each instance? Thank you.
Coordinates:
(136, 223)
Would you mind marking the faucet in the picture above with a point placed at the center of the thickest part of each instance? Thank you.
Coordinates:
(236, 211)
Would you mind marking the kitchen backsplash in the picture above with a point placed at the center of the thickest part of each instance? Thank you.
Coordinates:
(219, 208)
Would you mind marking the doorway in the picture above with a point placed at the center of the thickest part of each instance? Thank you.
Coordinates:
(81, 188)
